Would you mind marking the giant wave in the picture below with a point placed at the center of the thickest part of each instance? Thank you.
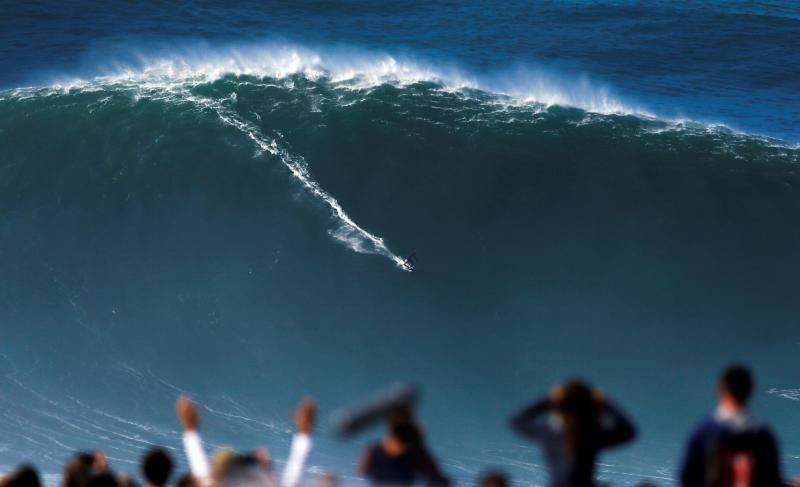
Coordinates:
(143, 229)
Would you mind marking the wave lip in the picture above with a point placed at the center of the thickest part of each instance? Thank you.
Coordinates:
(356, 69)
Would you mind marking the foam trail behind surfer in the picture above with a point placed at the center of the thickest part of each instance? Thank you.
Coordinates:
(349, 232)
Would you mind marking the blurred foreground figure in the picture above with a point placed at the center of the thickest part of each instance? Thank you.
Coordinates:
(156, 467)
(88, 470)
(572, 425)
(493, 478)
(730, 448)
(24, 476)
(232, 469)
(402, 457)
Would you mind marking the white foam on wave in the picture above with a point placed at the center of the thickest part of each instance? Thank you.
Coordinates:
(174, 72)
(791, 394)
(171, 77)
(359, 69)
(348, 231)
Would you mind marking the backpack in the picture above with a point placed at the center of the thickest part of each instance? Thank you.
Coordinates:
(742, 459)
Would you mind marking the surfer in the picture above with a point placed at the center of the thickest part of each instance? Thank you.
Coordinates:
(410, 260)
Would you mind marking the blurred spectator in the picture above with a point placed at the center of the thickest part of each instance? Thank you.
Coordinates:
(730, 448)
(572, 426)
(156, 467)
(24, 476)
(493, 478)
(402, 456)
(85, 469)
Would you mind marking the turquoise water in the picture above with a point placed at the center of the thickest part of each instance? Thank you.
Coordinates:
(226, 218)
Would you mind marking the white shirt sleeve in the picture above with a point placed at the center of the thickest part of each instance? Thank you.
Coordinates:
(196, 455)
(296, 464)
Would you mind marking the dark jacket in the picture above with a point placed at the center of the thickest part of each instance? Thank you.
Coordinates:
(714, 443)
(386, 470)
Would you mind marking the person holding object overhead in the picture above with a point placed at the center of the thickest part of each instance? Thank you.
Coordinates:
(572, 425)
(402, 457)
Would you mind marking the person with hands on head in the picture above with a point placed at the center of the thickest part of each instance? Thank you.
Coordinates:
(572, 425)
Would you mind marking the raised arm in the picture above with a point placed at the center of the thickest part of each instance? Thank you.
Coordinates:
(192, 443)
(528, 422)
(304, 417)
(617, 428)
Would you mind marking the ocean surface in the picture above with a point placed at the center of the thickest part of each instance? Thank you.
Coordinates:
(216, 198)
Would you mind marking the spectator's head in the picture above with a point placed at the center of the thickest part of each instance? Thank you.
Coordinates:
(403, 427)
(234, 469)
(78, 470)
(493, 478)
(580, 411)
(222, 461)
(24, 476)
(156, 467)
(735, 386)
(88, 469)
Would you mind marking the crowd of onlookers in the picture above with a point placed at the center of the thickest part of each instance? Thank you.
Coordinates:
(572, 424)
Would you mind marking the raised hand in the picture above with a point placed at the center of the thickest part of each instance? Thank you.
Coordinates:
(187, 413)
(305, 415)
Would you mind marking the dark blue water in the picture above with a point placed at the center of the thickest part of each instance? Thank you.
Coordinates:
(215, 199)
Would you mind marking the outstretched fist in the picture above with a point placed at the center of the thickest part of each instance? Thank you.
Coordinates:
(187, 413)
(305, 415)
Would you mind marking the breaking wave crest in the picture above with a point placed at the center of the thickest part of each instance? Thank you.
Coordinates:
(355, 68)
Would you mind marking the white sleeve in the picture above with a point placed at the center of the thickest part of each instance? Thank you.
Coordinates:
(198, 462)
(296, 464)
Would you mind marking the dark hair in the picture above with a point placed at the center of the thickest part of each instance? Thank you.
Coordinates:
(102, 479)
(156, 466)
(24, 476)
(581, 414)
(403, 427)
(737, 380)
(494, 478)
(77, 471)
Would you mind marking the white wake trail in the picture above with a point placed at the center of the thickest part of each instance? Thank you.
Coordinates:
(349, 232)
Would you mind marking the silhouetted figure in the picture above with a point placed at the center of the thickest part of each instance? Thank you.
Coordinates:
(411, 259)
(493, 478)
(572, 425)
(87, 469)
(24, 476)
(156, 467)
(730, 448)
(103, 479)
(402, 457)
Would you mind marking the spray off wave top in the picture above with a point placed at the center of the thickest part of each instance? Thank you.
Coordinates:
(351, 68)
